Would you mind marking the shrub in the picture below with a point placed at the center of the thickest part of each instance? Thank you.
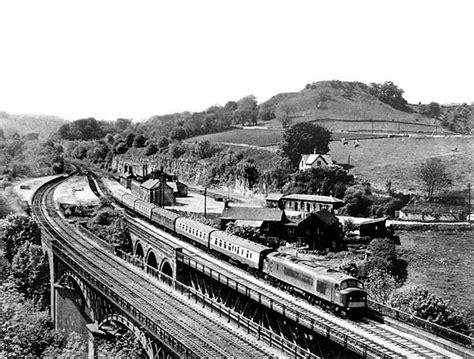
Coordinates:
(151, 149)
(421, 303)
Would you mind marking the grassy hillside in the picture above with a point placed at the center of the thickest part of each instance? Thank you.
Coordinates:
(345, 101)
(348, 109)
(23, 124)
(396, 159)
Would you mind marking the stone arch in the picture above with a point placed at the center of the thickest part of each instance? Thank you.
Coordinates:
(166, 268)
(139, 252)
(82, 287)
(151, 260)
(146, 343)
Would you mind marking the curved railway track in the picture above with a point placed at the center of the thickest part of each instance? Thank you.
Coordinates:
(377, 341)
(201, 335)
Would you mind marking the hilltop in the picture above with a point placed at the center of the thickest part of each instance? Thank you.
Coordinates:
(24, 124)
(349, 106)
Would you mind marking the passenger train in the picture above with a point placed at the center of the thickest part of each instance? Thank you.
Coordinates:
(317, 283)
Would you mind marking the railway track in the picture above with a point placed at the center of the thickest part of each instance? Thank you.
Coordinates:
(201, 335)
(376, 340)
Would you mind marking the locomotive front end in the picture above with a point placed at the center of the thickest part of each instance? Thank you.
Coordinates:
(353, 296)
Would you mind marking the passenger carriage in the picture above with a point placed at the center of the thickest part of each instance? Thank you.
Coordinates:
(249, 253)
(194, 230)
(164, 217)
(144, 208)
(129, 200)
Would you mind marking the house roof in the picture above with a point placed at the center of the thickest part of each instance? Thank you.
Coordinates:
(151, 183)
(274, 196)
(311, 158)
(253, 214)
(374, 221)
(242, 222)
(312, 198)
(173, 185)
(325, 217)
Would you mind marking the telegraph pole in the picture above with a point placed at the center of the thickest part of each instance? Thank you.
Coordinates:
(205, 197)
(469, 201)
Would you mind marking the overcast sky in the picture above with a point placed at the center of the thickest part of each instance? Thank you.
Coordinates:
(109, 59)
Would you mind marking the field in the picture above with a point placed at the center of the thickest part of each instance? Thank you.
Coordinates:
(396, 159)
(247, 136)
(377, 160)
(441, 262)
(268, 138)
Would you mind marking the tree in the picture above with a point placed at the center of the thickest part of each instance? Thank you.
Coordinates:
(120, 148)
(17, 230)
(27, 331)
(139, 141)
(247, 109)
(433, 176)
(325, 181)
(86, 129)
(283, 112)
(121, 237)
(304, 138)
(358, 200)
(30, 272)
(178, 133)
(244, 231)
(433, 110)
(121, 124)
(390, 94)
(151, 149)
(64, 132)
(420, 302)
(163, 142)
(266, 112)
(248, 171)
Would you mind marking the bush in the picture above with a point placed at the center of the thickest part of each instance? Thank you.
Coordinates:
(17, 230)
(151, 149)
(177, 150)
(421, 303)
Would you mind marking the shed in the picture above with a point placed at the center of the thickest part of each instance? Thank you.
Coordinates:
(269, 220)
(153, 191)
(319, 230)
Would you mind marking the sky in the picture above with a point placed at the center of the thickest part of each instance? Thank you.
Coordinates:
(135, 59)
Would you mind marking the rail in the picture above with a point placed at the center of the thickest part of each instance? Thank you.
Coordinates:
(153, 328)
(265, 335)
(323, 329)
(436, 329)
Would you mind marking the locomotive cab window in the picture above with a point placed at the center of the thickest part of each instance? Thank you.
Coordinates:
(351, 283)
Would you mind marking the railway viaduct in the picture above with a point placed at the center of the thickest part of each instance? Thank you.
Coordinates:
(111, 295)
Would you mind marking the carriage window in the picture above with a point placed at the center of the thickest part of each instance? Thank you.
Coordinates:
(215, 241)
(225, 245)
(220, 243)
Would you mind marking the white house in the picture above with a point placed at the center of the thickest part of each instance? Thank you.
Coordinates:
(314, 160)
